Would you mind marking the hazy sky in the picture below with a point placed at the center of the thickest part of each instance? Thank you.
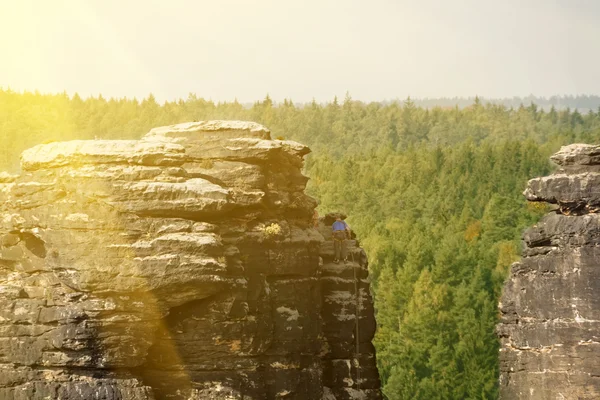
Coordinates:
(375, 49)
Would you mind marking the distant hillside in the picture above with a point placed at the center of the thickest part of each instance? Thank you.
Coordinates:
(583, 103)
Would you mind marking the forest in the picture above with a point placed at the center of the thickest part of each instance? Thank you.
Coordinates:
(434, 194)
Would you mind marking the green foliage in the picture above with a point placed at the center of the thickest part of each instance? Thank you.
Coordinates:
(434, 194)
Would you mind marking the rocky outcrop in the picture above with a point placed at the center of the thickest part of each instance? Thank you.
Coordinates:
(185, 265)
(349, 363)
(550, 308)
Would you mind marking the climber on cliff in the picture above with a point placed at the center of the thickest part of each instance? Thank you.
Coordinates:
(340, 232)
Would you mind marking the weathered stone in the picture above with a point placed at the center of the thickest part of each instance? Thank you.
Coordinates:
(238, 175)
(550, 327)
(215, 129)
(5, 177)
(574, 194)
(181, 266)
(229, 140)
(577, 154)
(58, 154)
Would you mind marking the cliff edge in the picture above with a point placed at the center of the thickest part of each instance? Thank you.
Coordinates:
(185, 265)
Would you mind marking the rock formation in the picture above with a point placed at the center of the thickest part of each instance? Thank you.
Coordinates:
(181, 266)
(550, 308)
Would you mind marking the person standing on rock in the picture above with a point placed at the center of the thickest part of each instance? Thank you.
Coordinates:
(340, 231)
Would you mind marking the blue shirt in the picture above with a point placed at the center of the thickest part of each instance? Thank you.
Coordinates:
(339, 226)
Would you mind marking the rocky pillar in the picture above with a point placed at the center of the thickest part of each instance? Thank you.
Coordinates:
(349, 363)
(550, 307)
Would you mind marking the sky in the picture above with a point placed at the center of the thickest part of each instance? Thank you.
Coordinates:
(244, 49)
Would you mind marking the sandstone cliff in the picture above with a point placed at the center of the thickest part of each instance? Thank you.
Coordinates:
(181, 266)
(550, 308)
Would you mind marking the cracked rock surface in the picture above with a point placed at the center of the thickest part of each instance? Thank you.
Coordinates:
(185, 265)
(550, 307)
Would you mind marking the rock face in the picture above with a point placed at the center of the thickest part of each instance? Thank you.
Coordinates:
(550, 308)
(185, 265)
